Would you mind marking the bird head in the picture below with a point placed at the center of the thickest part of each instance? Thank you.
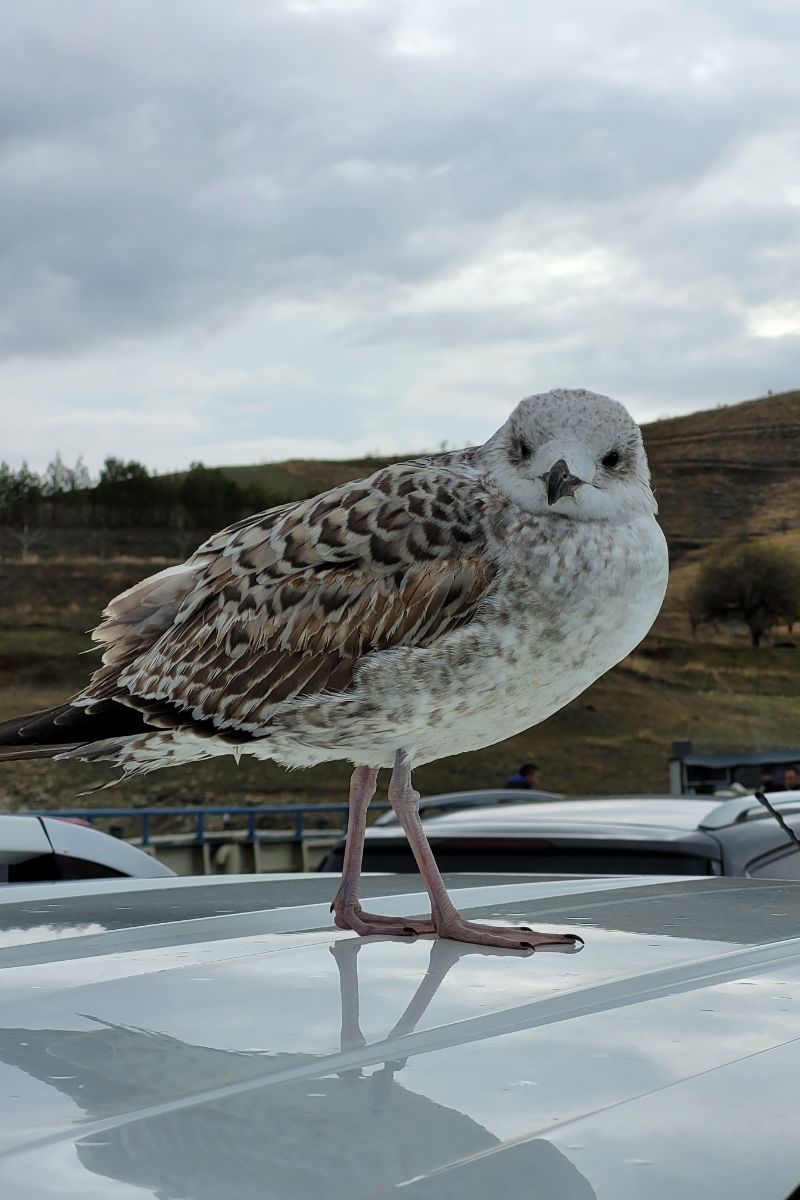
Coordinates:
(572, 454)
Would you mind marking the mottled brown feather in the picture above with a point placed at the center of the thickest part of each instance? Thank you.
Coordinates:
(287, 604)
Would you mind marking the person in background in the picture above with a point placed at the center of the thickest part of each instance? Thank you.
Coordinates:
(791, 779)
(526, 777)
(768, 782)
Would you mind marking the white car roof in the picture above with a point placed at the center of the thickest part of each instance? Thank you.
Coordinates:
(214, 1039)
(682, 814)
(672, 813)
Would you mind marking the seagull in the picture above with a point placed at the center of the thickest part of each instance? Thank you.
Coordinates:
(442, 604)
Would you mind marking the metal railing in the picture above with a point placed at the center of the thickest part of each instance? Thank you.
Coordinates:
(300, 815)
(297, 832)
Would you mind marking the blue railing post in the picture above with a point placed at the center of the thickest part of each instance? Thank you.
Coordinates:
(201, 826)
(145, 819)
(251, 825)
(298, 824)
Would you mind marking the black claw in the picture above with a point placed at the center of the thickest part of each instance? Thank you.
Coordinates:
(408, 929)
(526, 928)
(528, 946)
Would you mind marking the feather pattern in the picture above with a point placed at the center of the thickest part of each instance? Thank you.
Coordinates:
(288, 603)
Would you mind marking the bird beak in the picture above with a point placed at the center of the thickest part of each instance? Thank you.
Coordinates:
(560, 482)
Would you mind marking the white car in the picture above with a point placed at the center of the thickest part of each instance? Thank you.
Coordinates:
(218, 1039)
(37, 849)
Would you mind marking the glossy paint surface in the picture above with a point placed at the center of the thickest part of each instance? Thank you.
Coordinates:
(212, 1040)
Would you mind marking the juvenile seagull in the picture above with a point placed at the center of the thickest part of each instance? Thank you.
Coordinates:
(440, 605)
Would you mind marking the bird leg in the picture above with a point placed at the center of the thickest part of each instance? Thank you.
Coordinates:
(446, 918)
(346, 909)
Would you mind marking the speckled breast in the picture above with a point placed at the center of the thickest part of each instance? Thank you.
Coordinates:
(567, 608)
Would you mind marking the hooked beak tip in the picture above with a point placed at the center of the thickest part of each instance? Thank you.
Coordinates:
(560, 482)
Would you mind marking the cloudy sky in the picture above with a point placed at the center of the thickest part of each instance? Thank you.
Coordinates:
(237, 232)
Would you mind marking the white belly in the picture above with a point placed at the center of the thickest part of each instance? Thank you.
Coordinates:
(558, 620)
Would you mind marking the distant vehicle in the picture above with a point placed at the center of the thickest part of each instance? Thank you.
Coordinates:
(633, 835)
(43, 849)
(211, 1039)
(431, 806)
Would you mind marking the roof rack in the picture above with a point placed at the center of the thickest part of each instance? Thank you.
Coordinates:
(748, 808)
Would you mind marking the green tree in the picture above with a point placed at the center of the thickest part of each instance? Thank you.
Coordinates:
(757, 583)
(127, 492)
(60, 480)
(20, 493)
(6, 483)
(208, 496)
(116, 470)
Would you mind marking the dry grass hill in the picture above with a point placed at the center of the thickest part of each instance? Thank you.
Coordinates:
(730, 472)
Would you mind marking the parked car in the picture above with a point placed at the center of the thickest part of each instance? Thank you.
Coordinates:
(38, 849)
(219, 1039)
(432, 806)
(639, 835)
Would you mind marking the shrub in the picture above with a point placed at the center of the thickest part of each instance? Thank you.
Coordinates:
(757, 583)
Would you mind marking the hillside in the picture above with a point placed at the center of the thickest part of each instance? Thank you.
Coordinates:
(298, 478)
(727, 472)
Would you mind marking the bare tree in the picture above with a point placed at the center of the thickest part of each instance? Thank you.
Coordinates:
(28, 536)
(757, 583)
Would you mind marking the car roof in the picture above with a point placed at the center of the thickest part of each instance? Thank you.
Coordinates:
(629, 812)
(623, 815)
(474, 799)
(748, 807)
(489, 795)
(219, 1037)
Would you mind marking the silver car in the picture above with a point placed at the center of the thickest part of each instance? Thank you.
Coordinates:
(218, 1040)
(639, 835)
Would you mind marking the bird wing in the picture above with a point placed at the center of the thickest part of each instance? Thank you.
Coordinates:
(288, 603)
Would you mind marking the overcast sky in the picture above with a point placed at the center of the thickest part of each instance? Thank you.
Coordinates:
(245, 230)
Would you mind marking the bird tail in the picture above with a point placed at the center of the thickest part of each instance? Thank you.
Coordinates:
(103, 731)
(67, 727)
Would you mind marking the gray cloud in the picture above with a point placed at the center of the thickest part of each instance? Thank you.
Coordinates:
(441, 207)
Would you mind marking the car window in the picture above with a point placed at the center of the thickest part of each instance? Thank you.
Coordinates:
(475, 855)
(781, 866)
(49, 868)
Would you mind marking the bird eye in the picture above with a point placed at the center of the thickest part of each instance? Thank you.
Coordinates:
(611, 460)
(524, 449)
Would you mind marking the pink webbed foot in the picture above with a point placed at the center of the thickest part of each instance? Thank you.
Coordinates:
(348, 914)
(448, 921)
(508, 936)
(363, 923)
